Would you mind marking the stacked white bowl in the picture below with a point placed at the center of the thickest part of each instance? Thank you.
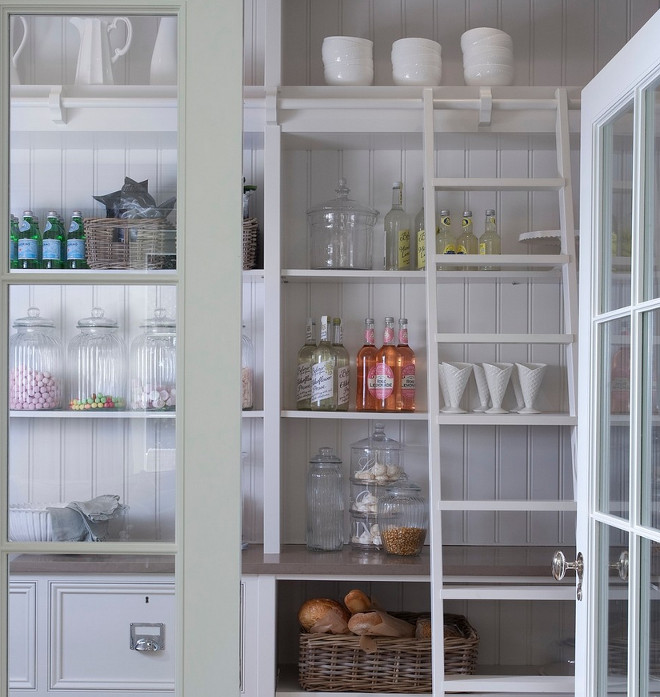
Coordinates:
(347, 60)
(487, 57)
(416, 62)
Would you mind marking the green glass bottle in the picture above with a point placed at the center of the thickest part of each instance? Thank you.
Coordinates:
(76, 243)
(29, 242)
(490, 242)
(324, 365)
(13, 242)
(52, 243)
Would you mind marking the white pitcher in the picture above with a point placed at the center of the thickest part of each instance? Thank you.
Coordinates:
(94, 60)
(13, 72)
(163, 60)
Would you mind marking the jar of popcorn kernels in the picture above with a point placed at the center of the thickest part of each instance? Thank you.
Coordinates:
(153, 365)
(402, 519)
(35, 364)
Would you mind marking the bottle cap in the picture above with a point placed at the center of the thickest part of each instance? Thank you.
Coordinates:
(490, 211)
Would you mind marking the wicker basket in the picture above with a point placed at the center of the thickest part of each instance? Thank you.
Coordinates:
(250, 240)
(132, 243)
(336, 663)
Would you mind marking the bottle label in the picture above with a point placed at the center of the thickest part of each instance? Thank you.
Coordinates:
(460, 249)
(75, 226)
(449, 249)
(421, 249)
(381, 381)
(388, 335)
(304, 382)
(24, 226)
(48, 226)
(343, 385)
(404, 249)
(322, 381)
(408, 381)
(13, 250)
(51, 249)
(75, 249)
(27, 248)
(369, 336)
(403, 336)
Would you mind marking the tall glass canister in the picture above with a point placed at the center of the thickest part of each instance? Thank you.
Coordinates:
(325, 502)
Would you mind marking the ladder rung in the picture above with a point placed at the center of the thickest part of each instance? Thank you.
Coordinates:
(499, 184)
(495, 338)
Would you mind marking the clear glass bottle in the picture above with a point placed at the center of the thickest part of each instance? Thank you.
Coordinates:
(365, 361)
(13, 242)
(76, 250)
(445, 242)
(342, 366)
(490, 242)
(325, 502)
(397, 233)
(247, 372)
(383, 375)
(96, 359)
(420, 239)
(153, 365)
(52, 245)
(36, 376)
(29, 242)
(324, 395)
(304, 372)
(467, 242)
(403, 519)
(405, 393)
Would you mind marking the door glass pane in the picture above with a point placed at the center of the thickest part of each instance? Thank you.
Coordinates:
(652, 193)
(650, 441)
(613, 456)
(616, 210)
(650, 618)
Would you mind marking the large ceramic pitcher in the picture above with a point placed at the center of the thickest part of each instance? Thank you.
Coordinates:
(94, 60)
(13, 72)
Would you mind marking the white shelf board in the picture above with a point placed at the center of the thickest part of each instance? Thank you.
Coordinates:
(524, 684)
(91, 414)
(350, 276)
(355, 415)
(495, 338)
(509, 419)
(501, 505)
(252, 414)
(498, 184)
(473, 591)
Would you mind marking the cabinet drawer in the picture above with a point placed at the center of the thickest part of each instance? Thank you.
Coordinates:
(90, 636)
(23, 633)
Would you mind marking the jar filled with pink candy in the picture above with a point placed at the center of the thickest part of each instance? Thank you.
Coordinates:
(153, 364)
(35, 364)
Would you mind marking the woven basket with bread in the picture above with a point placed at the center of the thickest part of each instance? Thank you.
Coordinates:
(355, 647)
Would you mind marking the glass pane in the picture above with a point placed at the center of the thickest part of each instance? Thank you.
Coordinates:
(614, 456)
(612, 614)
(652, 193)
(616, 212)
(650, 618)
(650, 441)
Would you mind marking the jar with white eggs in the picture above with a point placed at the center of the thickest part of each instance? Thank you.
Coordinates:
(375, 465)
(153, 365)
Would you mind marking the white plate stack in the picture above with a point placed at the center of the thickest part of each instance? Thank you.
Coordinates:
(487, 57)
(416, 62)
(347, 60)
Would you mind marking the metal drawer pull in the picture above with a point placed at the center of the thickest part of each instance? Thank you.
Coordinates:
(147, 636)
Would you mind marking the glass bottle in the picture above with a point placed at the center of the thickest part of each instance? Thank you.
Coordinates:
(52, 245)
(445, 242)
(13, 242)
(96, 363)
(153, 365)
(405, 394)
(467, 242)
(342, 367)
(402, 519)
(397, 233)
(247, 372)
(325, 502)
(35, 364)
(324, 397)
(29, 242)
(383, 375)
(76, 252)
(304, 373)
(420, 239)
(489, 242)
(366, 360)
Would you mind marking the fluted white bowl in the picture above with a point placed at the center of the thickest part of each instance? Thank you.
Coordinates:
(488, 75)
(479, 34)
(344, 47)
(495, 57)
(415, 44)
(340, 74)
(30, 522)
(417, 74)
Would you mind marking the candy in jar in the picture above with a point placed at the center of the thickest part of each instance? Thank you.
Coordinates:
(153, 364)
(35, 364)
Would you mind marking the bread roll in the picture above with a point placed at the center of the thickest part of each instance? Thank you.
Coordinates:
(357, 601)
(423, 628)
(312, 610)
(364, 622)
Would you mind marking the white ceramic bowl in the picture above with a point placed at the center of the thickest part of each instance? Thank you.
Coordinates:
(501, 56)
(488, 75)
(416, 44)
(479, 34)
(504, 41)
(346, 47)
(417, 75)
(340, 74)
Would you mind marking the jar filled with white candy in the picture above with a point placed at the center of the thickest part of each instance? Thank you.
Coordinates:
(153, 364)
(35, 364)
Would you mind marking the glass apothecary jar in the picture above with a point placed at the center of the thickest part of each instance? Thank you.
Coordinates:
(376, 458)
(35, 364)
(341, 232)
(96, 362)
(403, 519)
(247, 372)
(153, 365)
(325, 502)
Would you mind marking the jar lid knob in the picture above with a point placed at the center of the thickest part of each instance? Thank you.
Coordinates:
(33, 312)
(342, 189)
(97, 312)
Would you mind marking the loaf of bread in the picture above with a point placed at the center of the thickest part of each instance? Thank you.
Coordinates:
(379, 623)
(423, 628)
(357, 601)
(316, 609)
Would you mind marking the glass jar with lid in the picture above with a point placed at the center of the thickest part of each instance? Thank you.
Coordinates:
(35, 364)
(325, 502)
(376, 458)
(153, 364)
(403, 519)
(341, 232)
(97, 365)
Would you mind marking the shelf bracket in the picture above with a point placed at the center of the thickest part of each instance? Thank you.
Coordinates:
(271, 107)
(485, 106)
(55, 108)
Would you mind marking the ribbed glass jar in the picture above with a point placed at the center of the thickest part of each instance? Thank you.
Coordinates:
(402, 519)
(153, 365)
(97, 365)
(35, 364)
(325, 502)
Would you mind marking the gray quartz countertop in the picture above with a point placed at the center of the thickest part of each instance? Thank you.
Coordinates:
(92, 564)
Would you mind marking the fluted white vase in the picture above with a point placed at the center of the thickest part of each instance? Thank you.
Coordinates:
(517, 390)
(531, 377)
(497, 376)
(456, 377)
(164, 57)
(482, 387)
(442, 379)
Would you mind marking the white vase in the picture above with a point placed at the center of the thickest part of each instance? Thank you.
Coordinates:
(456, 377)
(482, 387)
(497, 376)
(442, 379)
(531, 377)
(14, 79)
(517, 390)
(164, 57)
